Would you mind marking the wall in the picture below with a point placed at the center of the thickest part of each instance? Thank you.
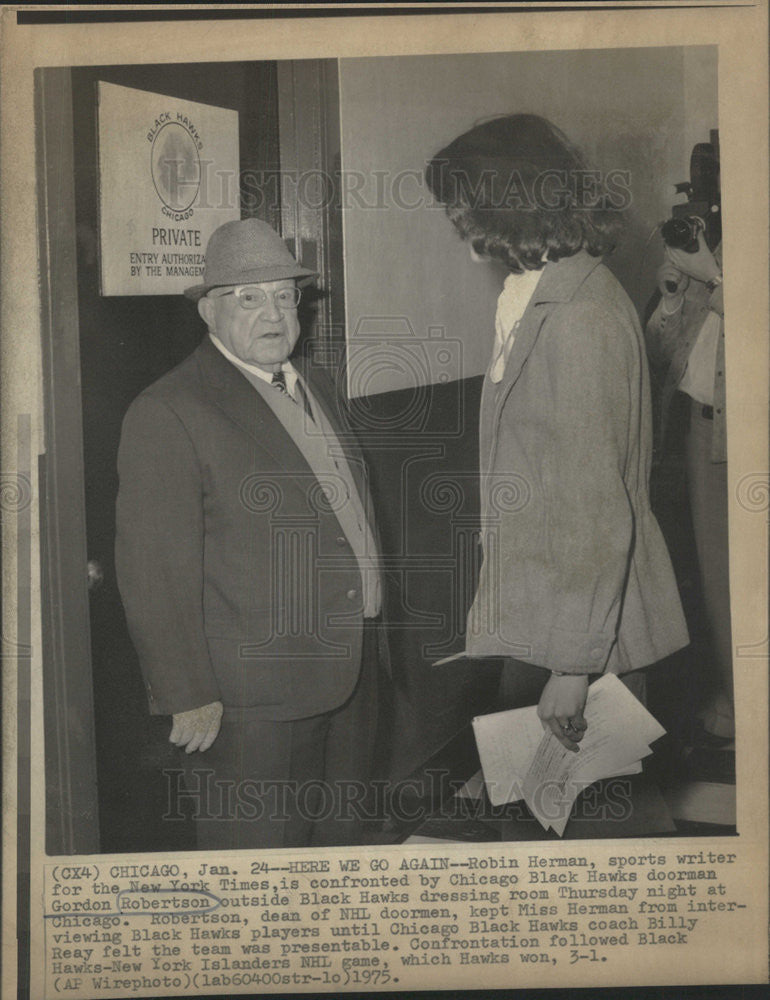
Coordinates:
(700, 98)
(409, 279)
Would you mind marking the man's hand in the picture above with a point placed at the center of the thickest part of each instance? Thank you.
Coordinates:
(700, 265)
(561, 708)
(198, 728)
(672, 283)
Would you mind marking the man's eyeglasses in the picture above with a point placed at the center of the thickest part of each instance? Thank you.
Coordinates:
(254, 297)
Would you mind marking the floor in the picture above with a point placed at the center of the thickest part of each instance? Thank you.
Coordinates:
(684, 791)
(687, 789)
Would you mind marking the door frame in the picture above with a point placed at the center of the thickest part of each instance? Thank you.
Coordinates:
(309, 142)
(72, 814)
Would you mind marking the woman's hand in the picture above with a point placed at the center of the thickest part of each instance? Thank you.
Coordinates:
(561, 708)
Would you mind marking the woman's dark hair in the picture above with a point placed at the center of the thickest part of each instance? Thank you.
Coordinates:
(518, 190)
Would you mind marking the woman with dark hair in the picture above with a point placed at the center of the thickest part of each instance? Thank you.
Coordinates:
(576, 579)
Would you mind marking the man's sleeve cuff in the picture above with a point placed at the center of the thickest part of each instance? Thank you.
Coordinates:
(180, 701)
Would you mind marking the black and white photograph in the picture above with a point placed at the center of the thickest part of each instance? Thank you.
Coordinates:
(505, 480)
(381, 507)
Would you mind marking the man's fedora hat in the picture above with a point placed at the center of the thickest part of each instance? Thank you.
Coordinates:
(243, 253)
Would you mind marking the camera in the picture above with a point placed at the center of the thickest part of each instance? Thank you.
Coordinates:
(701, 211)
(681, 232)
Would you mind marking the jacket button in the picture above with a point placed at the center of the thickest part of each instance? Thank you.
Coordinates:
(352, 595)
(596, 653)
(341, 540)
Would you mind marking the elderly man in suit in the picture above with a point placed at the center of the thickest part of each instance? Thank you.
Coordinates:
(248, 565)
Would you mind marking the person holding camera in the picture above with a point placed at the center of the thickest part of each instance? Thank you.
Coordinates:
(686, 337)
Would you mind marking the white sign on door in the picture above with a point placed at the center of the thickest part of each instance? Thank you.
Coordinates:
(168, 177)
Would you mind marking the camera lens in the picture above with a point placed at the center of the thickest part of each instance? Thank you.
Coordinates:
(677, 233)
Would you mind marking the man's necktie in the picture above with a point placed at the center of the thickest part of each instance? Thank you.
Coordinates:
(279, 381)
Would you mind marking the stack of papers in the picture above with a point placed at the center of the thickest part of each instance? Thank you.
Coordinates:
(521, 761)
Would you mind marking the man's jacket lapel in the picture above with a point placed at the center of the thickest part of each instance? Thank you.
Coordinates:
(234, 395)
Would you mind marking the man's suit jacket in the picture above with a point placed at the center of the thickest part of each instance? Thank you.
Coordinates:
(238, 582)
(576, 576)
